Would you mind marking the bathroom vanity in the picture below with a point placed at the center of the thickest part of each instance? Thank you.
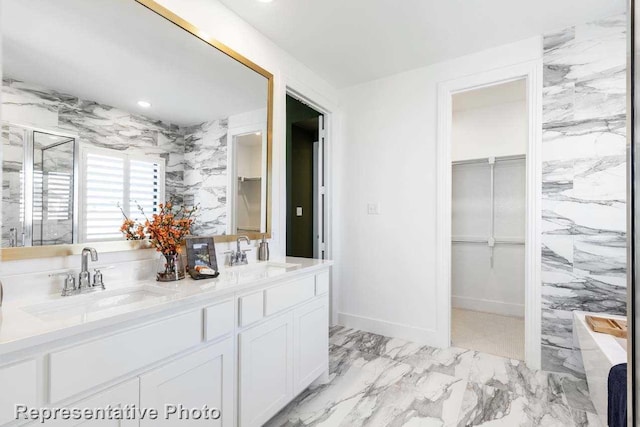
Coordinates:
(245, 343)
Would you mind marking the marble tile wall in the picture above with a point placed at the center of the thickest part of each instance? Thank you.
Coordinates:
(583, 182)
(196, 151)
(206, 175)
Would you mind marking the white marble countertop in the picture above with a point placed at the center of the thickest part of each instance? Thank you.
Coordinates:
(20, 330)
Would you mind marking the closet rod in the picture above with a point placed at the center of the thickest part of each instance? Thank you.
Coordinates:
(486, 241)
(485, 160)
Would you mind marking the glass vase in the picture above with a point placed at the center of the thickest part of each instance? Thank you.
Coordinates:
(170, 268)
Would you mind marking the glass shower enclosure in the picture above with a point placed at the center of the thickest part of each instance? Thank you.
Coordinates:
(39, 192)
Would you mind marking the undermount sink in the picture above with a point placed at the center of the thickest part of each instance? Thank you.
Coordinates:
(257, 271)
(96, 305)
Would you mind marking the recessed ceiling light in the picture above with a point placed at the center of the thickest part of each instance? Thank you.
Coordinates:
(144, 104)
(258, 134)
(265, 1)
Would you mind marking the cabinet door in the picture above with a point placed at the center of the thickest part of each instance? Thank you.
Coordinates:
(191, 382)
(117, 397)
(311, 343)
(18, 384)
(266, 383)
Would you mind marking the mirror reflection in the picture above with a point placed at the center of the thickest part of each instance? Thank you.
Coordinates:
(99, 119)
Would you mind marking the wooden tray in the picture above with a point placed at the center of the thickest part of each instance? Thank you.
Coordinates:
(615, 327)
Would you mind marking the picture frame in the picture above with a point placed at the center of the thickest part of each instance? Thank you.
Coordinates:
(201, 251)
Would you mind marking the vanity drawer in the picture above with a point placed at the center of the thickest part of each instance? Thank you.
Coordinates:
(82, 367)
(322, 283)
(251, 308)
(289, 294)
(218, 320)
(18, 385)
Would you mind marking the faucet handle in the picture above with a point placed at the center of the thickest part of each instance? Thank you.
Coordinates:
(61, 274)
(97, 279)
(69, 282)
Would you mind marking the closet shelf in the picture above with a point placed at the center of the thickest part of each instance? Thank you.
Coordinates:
(497, 241)
(485, 160)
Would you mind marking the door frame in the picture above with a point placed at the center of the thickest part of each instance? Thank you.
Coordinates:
(307, 96)
(326, 164)
(532, 73)
(232, 167)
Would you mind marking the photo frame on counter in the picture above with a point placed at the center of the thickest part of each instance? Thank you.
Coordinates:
(201, 252)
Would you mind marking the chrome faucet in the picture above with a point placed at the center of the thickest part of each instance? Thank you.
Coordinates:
(84, 279)
(239, 257)
(85, 284)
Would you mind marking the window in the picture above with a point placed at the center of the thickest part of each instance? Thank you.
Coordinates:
(112, 180)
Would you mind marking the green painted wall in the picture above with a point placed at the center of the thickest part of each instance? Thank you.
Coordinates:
(299, 179)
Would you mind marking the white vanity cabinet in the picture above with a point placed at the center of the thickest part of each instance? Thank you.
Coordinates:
(311, 343)
(266, 369)
(193, 381)
(246, 354)
(282, 355)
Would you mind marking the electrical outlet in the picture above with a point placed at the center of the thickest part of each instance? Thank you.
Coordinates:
(373, 208)
(299, 211)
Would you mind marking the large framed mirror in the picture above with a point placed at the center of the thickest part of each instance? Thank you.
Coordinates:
(110, 107)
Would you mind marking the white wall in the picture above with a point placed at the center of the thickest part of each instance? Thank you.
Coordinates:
(492, 130)
(389, 156)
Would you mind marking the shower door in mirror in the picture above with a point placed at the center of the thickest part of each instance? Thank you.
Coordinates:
(39, 194)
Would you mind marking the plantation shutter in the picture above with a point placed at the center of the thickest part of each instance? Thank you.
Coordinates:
(115, 180)
(144, 187)
(59, 195)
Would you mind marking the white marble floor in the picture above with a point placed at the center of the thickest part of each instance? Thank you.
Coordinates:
(488, 333)
(380, 381)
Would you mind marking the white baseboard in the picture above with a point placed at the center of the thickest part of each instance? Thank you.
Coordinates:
(488, 306)
(390, 329)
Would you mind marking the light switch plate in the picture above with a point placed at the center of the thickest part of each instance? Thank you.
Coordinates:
(373, 208)
(299, 211)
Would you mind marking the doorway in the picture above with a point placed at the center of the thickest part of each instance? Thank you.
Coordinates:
(305, 168)
(489, 136)
(531, 73)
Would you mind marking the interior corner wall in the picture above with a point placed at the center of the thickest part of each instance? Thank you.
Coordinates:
(583, 182)
(389, 157)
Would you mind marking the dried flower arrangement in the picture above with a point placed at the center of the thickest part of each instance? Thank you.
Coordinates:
(166, 231)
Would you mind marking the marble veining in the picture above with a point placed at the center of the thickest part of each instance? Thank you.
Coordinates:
(381, 381)
(583, 182)
(206, 174)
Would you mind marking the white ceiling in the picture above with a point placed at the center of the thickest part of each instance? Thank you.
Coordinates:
(117, 52)
(492, 95)
(354, 41)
